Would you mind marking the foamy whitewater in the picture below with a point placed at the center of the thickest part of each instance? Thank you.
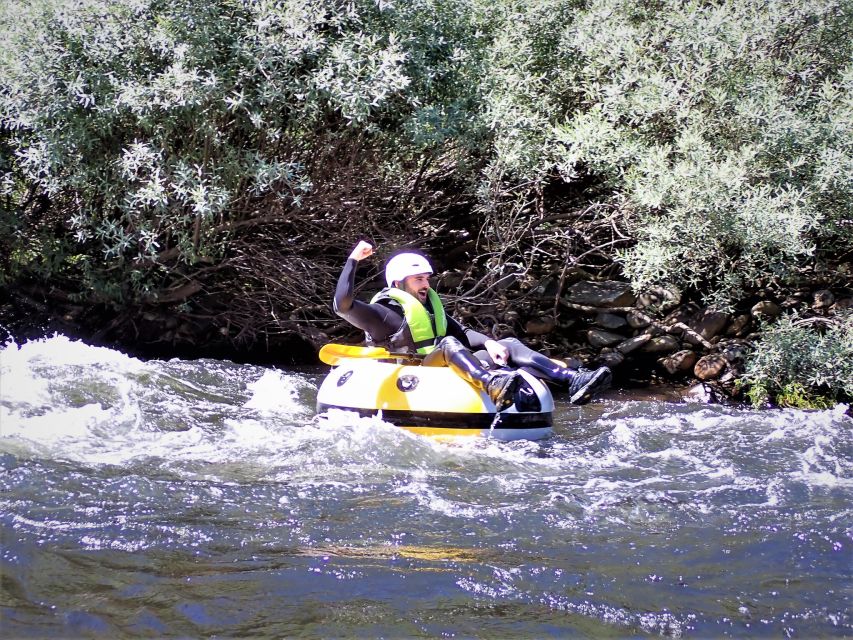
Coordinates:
(199, 498)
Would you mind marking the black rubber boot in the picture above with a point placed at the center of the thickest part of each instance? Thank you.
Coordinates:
(583, 384)
(502, 387)
(526, 400)
(499, 385)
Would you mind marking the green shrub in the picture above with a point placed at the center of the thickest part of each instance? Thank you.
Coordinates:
(719, 134)
(802, 363)
(725, 130)
(722, 132)
(156, 127)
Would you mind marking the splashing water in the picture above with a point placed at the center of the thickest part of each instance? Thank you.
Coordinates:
(205, 497)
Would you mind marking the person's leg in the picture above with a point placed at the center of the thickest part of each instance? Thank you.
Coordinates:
(581, 384)
(499, 385)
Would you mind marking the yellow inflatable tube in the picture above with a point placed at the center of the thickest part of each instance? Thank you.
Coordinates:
(432, 401)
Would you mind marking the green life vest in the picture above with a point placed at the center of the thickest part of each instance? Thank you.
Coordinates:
(424, 326)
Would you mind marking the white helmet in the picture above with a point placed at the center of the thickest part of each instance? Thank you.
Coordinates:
(404, 265)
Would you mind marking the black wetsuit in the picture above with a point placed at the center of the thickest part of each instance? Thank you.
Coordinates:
(385, 325)
(384, 321)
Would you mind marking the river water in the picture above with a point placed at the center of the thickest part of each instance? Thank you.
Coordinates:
(205, 498)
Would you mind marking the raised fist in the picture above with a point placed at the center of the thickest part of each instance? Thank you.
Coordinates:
(361, 251)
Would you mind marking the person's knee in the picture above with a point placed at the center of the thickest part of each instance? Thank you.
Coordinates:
(515, 347)
(510, 342)
(449, 344)
(443, 352)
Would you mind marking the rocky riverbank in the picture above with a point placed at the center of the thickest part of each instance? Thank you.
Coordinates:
(651, 340)
(655, 336)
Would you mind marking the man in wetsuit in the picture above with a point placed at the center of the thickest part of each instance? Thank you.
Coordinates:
(408, 316)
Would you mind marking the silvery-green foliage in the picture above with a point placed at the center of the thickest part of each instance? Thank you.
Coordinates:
(724, 128)
(797, 353)
(156, 125)
(439, 109)
(125, 111)
(527, 83)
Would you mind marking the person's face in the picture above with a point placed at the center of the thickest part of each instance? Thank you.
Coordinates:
(417, 285)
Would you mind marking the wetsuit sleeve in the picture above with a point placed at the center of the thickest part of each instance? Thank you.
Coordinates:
(466, 335)
(376, 319)
(345, 291)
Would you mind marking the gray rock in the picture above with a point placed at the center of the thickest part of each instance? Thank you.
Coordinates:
(710, 367)
(766, 309)
(632, 344)
(683, 313)
(607, 293)
(661, 344)
(540, 326)
(734, 351)
(610, 358)
(610, 321)
(739, 325)
(679, 362)
(599, 338)
(637, 320)
(701, 393)
(842, 304)
(660, 298)
(571, 363)
(711, 323)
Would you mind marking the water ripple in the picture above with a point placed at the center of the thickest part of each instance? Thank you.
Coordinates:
(205, 498)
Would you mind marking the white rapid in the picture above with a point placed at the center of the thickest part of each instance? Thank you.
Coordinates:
(188, 498)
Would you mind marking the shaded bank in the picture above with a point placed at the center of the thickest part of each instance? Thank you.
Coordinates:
(652, 340)
(31, 313)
